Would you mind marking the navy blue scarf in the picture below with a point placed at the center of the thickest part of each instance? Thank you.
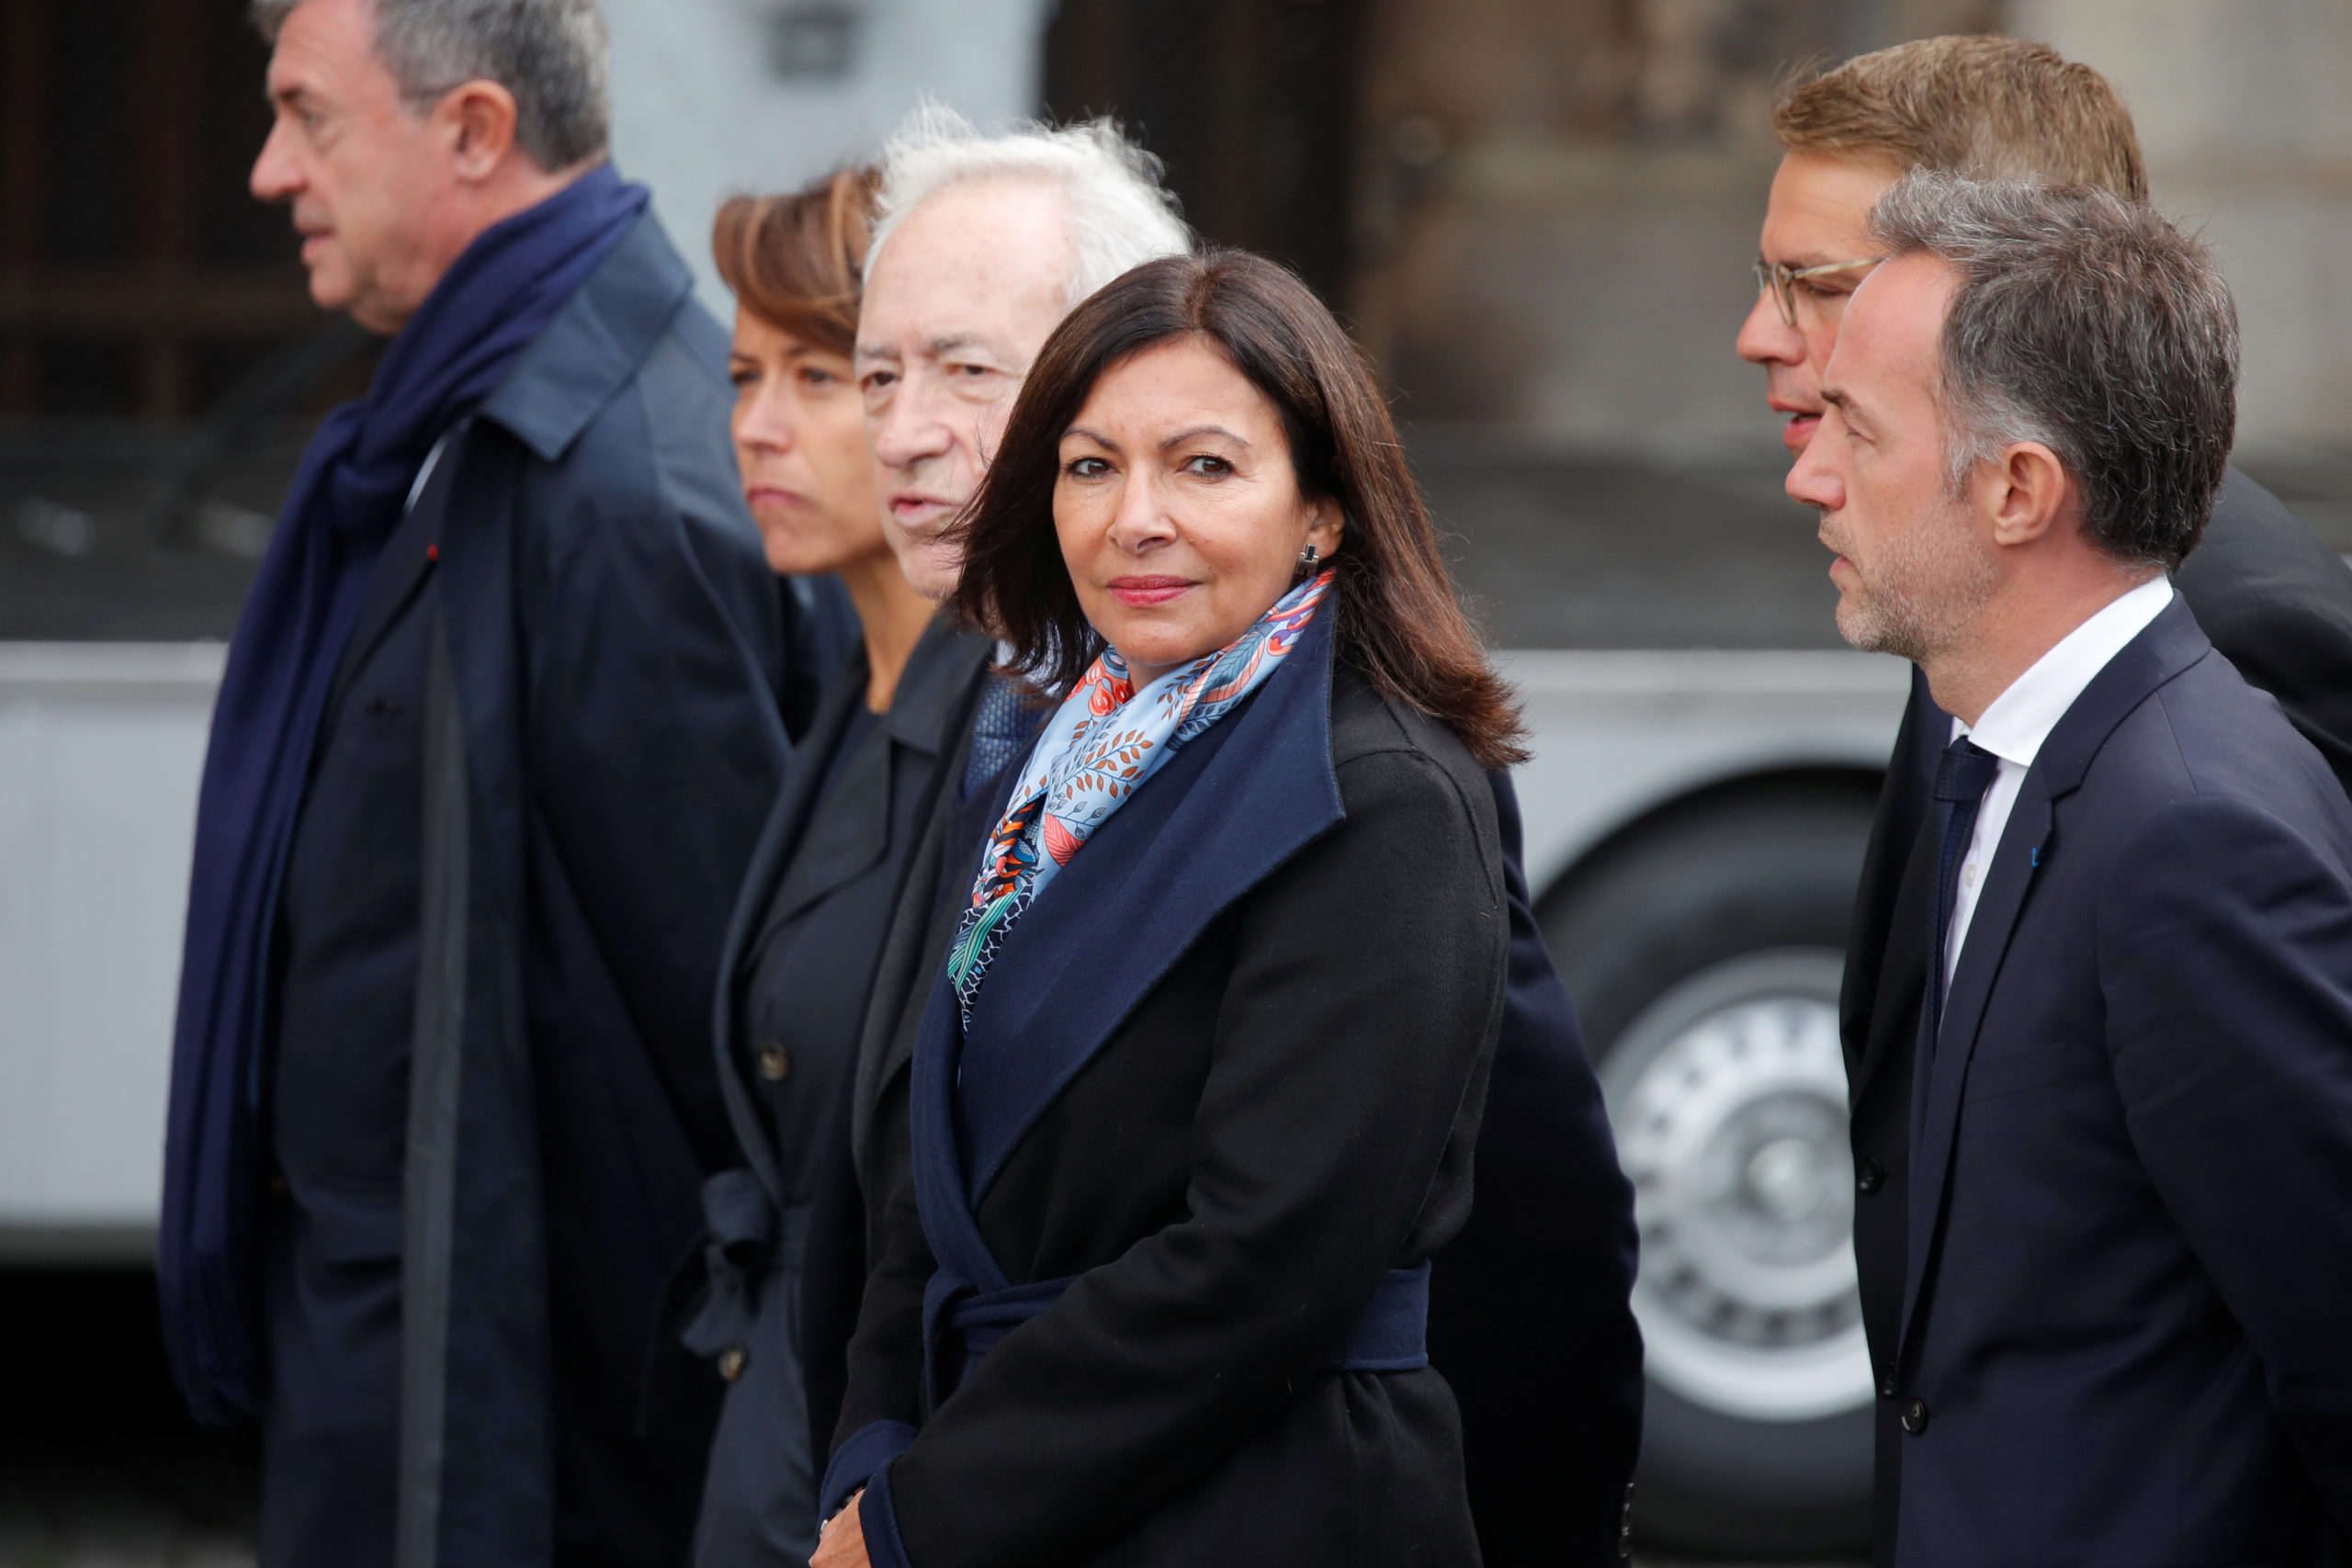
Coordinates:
(347, 498)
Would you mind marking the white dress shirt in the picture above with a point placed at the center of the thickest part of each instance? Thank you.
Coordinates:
(2016, 723)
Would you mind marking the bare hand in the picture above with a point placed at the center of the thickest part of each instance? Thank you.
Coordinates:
(842, 1544)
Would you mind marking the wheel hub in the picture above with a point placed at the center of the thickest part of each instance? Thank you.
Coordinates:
(1728, 1094)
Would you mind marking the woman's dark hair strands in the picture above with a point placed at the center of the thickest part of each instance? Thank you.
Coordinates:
(1396, 615)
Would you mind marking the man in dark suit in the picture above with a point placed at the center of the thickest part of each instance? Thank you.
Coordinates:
(499, 727)
(2120, 1333)
(2267, 592)
(1530, 1316)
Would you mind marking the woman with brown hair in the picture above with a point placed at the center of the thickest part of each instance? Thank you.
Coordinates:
(786, 1231)
(1195, 1097)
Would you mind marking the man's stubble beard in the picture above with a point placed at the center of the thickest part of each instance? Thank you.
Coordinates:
(1918, 596)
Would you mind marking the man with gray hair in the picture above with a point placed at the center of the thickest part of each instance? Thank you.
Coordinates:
(2131, 1205)
(498, 726)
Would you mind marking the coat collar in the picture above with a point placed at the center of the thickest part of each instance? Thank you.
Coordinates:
(595, 343)
(2171, 643)
(858, 813)
(1215, 821)
(936, 684)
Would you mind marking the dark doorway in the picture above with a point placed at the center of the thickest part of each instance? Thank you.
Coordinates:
(1250, 103)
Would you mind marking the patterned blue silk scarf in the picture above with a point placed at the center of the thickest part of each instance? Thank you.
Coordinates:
(1096, 752)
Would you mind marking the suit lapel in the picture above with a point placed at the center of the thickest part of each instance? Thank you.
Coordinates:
(1936, 1090)
(1208, 827)
(941, 1197)
(857, 813)
(2170, 644)
(408, 559)
(785, 823)
(1893, 907)
(915, 946)
(1902, 979)
(856, 823)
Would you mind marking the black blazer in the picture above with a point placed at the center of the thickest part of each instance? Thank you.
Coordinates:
(1227, 1073)
(785, 1232)
(2279, 607)
(2121, 1336)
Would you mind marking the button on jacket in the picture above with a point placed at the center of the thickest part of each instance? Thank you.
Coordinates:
(794, 975)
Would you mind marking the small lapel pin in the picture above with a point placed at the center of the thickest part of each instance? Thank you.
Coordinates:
(2037, 856)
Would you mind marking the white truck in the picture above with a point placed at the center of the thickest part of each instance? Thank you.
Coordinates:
(1694, 825)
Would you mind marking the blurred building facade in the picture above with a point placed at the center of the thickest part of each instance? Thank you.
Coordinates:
(1558, 199)
(1535, 214)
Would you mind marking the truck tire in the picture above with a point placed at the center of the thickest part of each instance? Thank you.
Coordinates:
(1703, 951)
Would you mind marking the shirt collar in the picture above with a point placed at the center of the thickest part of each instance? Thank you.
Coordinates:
(2016, 723)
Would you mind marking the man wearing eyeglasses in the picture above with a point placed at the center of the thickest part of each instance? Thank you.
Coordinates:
(2268, 594)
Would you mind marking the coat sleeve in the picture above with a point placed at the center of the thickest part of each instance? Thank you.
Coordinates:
(656, 752)
(1530, 1316)
(884, 1400)
(1347, 1071)
(2226, 951)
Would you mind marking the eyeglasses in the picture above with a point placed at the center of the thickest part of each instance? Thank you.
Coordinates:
(1783, 281)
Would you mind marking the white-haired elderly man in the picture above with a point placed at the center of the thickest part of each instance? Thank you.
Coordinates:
(983, 245)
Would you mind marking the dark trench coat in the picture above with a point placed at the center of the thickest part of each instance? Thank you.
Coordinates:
(601, 741)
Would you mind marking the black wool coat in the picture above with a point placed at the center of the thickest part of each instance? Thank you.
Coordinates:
(2277, 604)
(1530, 1304)
(1227, 1073)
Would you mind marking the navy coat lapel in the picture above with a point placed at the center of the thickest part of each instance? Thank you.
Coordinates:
(596, 344)
(2169, 645)
(1203, 832)
(940, 1196)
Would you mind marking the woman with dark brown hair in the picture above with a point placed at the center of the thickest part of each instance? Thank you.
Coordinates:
(1195, 1097)
(786, 1231)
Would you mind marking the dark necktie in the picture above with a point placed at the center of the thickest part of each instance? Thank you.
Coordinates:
(1002, 725)
(1961, 781)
